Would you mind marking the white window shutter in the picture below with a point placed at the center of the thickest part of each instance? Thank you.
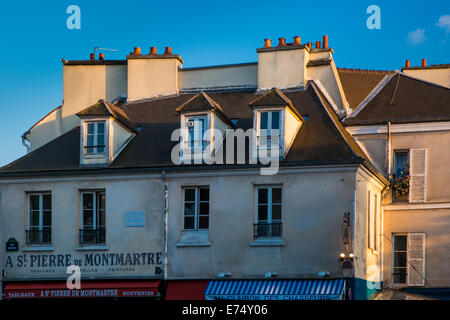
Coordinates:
(416, 259)
(417, 171)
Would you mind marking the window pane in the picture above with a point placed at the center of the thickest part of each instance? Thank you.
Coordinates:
(204, 194)
(88, 217)
(399, 275)
(203, 222)
(276, 195)
(101, 140)
(34, 202)
(401, 158)
(262, 195)
(276, 120)
(90, 140)
(189, 222)
(47, 217)
(102, 218)
(400, 259)
(47, 202)
(276, 212)
(88, 201)
(34, 218)
(262, 212)
(101, 199)
(189, 209)
(189, 194)
(264, 117)
(204, 208)
(100, 127)
(90, 128)
(400, 243)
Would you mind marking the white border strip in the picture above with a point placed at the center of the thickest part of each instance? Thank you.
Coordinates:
(400, 128)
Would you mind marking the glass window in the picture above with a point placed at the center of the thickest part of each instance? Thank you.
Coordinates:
(196, 140)
(269, 208)
(95, 137)
(93, 217)
(39, 218)
(400, 256)
(268, 133)
(196, 208)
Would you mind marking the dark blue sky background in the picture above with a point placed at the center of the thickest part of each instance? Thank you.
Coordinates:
(34, 38)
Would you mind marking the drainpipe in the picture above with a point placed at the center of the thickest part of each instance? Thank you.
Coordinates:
(166, 211)
(389, 149)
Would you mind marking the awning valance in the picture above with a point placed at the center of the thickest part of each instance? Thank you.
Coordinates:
(333, 289)
(88, 289)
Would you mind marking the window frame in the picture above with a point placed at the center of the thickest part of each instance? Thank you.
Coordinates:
(187, 147)
(41, 226)
(394, 235)
(96, 214)
(269, 204)
(85, 146)
(269, 125)
(197, 203)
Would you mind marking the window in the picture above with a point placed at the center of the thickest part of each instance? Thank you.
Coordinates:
(93, 217)
(94, 138)
(401, 160)
(39, 218)
(269, 208)
(409, 259)
(195, 134)
(196, 208)
(268, 130)
(400, 258)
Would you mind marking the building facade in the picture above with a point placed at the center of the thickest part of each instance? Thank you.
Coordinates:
(266, 180)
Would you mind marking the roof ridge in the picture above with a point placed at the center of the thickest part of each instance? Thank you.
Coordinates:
(356, 70)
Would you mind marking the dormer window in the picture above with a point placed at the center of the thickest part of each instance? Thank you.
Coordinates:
(268, 129)
(196, 141)
(94, 142)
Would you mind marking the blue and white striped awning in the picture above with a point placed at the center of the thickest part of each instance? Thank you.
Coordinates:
(275, 290)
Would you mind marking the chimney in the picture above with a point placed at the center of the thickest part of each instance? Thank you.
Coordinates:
(137, 51)
(424, 62)
(407, 64)
(92, 57)
(297, 40)
(101, 56)
(317, 44)
(267, 43)
(325, 42)
(282, 42)
(153, 50)
(309, 45)
(168, 51)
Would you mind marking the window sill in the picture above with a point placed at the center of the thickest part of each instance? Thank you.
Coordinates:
(92, 248)
(267, 243)
(40, 248)
(194, 239)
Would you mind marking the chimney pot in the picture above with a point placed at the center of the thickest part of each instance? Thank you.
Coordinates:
(317, 44)
(101, 56)
(297, 40)
(309, 45)
(325, 42)
(267, 43)
(137, 51)
(407, 64)
(424, 62)
(168, 51)
(153, 50)
(282, 42)
(92, 56)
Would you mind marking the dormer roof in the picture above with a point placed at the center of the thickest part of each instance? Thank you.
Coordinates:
(274, 98)
(104, 108)
(203, 102)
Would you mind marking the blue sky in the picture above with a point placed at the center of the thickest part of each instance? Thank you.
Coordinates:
(34, 38)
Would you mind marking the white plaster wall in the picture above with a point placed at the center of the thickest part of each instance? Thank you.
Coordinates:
(46, 130)
(439, 76)
(220, 76)
(136, 194)
(118, 136)
(314, 205)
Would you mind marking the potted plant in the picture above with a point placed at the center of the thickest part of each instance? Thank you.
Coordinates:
(400, 183)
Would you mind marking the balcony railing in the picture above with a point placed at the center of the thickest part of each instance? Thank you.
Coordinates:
(39, 236)
(267, 230)
(92, 236)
